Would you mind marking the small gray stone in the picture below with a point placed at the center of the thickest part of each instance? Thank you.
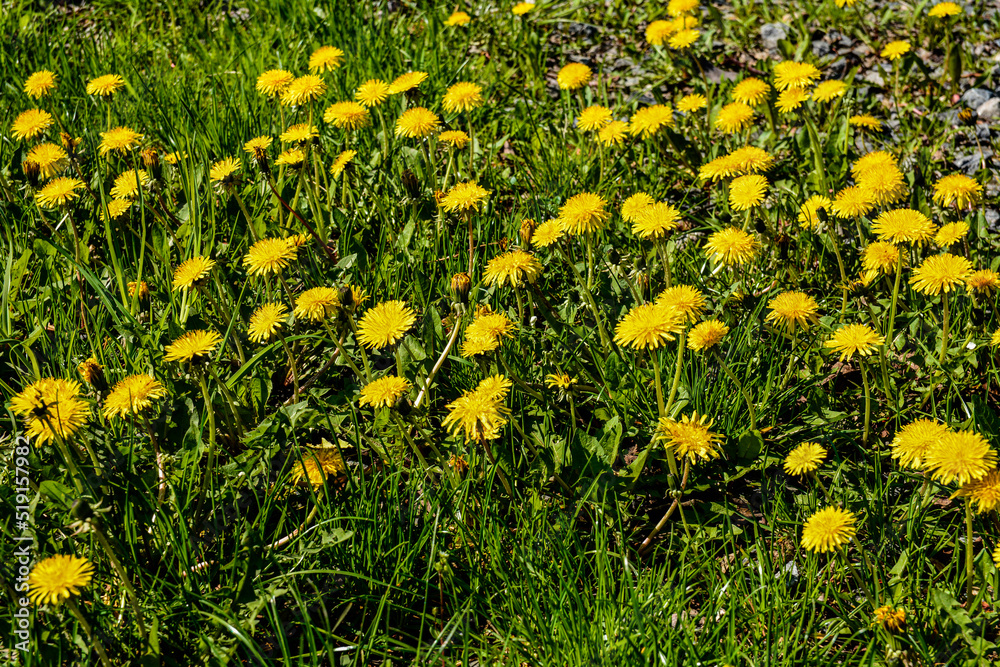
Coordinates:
(992, 218)
(974, 97)
(772, 33)
(970, 163)
(950, 116)
(990, 109)
(874, 76)
(821, 48)
(983, 132)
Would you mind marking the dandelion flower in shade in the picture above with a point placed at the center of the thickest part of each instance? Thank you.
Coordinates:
(791, 99)
(273, 82)
(223, 169)
(747, 191)
(912, 441)
(383, 392)
(880, 258)
(984, 493)
(480, 413)
(808, 212)
(303, 90)
(385, 324)
(299, 133)
(827, 91)
(959, 457)
(474, 346)
(191, 271)
(957, 189)
(943, 9)
(583, 213)
(127, 184)
(951, 233)
(59, 191)
(138, 289)
(292, 157)
(30, 124)
(261, 143)
(454, 138)
(692, 103)
(325, 59)
(573, 76)
(458, 19)
(316, 304)
(751, 91)
(49, 158)
(51, 407)
(941, 273)
(995, 339)
(317, 464)
(175, 157)
(793, 309)
(687, 299)
(790, 74)
(132, 396)
(119, 139)
(657, 32)
(851, 202)
(417, 123)
(733, 117)
(372, 93)
(348, 115)
(892, 619)
(593, 118)
(463, 96)
(804, 459)
(58, 578)
(828, 529)
(895, 50)
(649, 120)
(852, 339)
(613, 134)
(269, 256)
(267, 321)
(866, 122)
(515, 268)
(690, 438)
(706, 335)
(192, 345)
(635, 205)
(683, 39)
(655, 221)
(649, 326)
(984, 281)
(40, 84)
(468, 196)
(338, 166)
(522, 8)
(883, 187)
(731, 246)
(546, 234)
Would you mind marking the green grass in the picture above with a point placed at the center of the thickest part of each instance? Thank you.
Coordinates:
(392, 564)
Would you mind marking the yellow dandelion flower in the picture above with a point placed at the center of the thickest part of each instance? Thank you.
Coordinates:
(299, 133)
(809, 211)
(903, 226)
(325, 59)
(828, 529)
(731, 246)
(270, 256)
(316, 304)
(692, 103)
(583, 213)
(733, 117)
(488, 325)
(303, 89)
(913, 440)
(522, 8)
(827, 91)
(317, 464)
(895, 50)
(984, 281)
(40, 84)
(680, 7)
(191, 271)
(480, 413)
(866, 122)
(649, 120)
(51, 407)
(890, 618)
(292, 157)
(273, 82)
(852, 339)
(750, 160)
(349, 115)
(106, 85)
(417, 123)
(119, 139)
(880, 258)
(984, 492)
(706, 335)
(468, 196)
(851, 202)
(943, 9)
(454, 138)
(941, 273)
(573, 76)
(791, 309)
(560, 381)
(340, 164)
(957, 189)
(59, 191)
(384, 392)
(649, 326)
(683, 39)
(593, 118)
(515, 267)
(30, 124)
(385, 324)
(790, 74)
(267, 321)
(655, 221)
(133, 395)
(192, 346)
(49, 158)
(882, 187)
(635, 205)
(791, 99)
(959, 457)
(463, 96)
(804, 459)
(747, 191)
(751, 91)
(141, 287)
(223, 169)
(657, 32)
(613, 134)
(690, 437)
(951, 233)
(261, 143)
(547, 233)
(59, 578)
(458, 19)
(690, 301)
(127, 184)
(372, 93)
(474, 346)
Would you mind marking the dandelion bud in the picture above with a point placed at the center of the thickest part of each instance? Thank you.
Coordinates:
(527, 231)
(439, 196)
(141, 287)
(69, 143)
(346, 295)
(403, 406)
(967, 117)
(151, 160)
(31, 173)
(260, 155)
(93, 373)
(460, 286)
(81, 510)
(411, 184)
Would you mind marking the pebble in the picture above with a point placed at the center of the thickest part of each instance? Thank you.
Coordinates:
(974, 97)
(970, 163)
(990, 109)
(772, 33)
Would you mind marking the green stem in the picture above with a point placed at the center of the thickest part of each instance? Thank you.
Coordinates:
(969, 573)
(291, 364)
(892, 309)
(868, 401)
(343, 353)
(743, 390)
(87, 631)
(605, 340)
(655, 356)
(123, 575)
(677, 371)
(944, 331)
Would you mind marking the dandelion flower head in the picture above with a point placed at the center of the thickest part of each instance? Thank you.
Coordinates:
(463, 96)
(58, 578)
(690, 438)
(192, 345)
(133, 395)
(106, 85)
(706, 335)
(852, 339)
(583, 213)
(731, 246)
(649, 326)
(793, 309)
(828, 529)
(574, 76)
(959, 457)
(384, 392)
(267, 321)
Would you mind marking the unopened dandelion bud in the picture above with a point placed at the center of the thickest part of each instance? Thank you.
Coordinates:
(527, 231)
(81, 510)
(68, 142)
(151, 160)
(411, 184)
(403, 406)
(93, 373)
(260, 156)
(460, 286)
(31, 173)
(967, 117)
(346, 295)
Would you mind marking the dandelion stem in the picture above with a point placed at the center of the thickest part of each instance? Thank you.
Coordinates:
(891, 324)
(944, 331)
(857, 577)
(123, 575)
(647, 543)
(292, 366)
(346, 357)
(739, 385)
(969, 570)
(677, 371)
(90, 634)
(605, 340)
(437, 365)
(655, 356)
(161, 475)
(868, 401)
